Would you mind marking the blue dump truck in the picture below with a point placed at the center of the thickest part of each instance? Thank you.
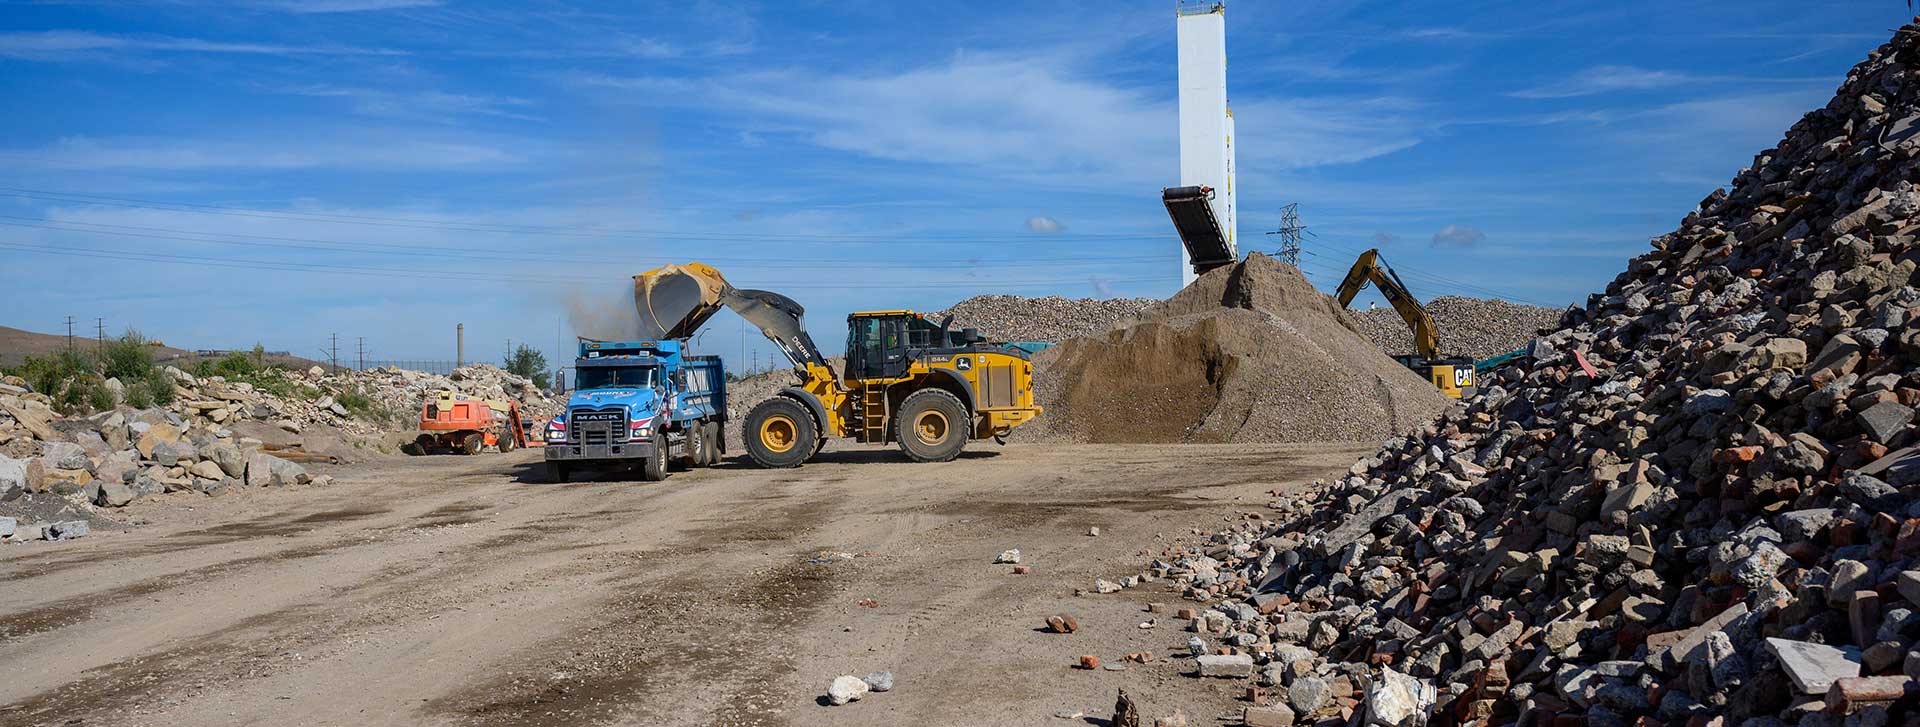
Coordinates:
(638, 405)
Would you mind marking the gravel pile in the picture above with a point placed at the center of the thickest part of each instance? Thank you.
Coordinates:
(1698, 504)
(1052, 318)
(1248, 353)
(1468, 326)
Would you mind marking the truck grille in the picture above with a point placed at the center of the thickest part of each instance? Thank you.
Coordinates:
(597, 426)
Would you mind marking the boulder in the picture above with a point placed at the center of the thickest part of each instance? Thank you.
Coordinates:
(65, 456)
(845, 689)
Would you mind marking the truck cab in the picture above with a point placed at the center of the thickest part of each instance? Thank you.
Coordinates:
(639, 404)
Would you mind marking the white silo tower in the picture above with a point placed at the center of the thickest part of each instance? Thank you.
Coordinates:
(1206, 122)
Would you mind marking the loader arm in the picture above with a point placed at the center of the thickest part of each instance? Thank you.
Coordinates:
(676, 300)
(1372, 268)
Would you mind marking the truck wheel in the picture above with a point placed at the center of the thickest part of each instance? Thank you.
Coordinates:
(472, 443)
(693, 448)
(780, 433)
(713, 445)
(506, 442)
(654, 468)
(931, 426)
(557, 472)
(419, 446)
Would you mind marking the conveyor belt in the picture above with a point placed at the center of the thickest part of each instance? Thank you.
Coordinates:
(1192, 214)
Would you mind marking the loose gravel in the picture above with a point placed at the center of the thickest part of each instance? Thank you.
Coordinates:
(1468, 326)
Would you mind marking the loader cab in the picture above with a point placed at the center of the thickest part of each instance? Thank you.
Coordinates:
(883, 344)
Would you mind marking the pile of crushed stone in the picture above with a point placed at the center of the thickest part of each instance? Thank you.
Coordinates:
(1248, 353)
(1475, 327)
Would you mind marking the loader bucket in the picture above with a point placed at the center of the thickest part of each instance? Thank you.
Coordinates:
(675, 300)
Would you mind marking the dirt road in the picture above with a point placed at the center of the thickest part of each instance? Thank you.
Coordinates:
(450, 590)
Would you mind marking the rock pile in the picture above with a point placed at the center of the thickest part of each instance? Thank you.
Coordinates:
(1052, 318)
(1472, 327)
(398, 395)
(113, 458)
(1248, 353)
(1699, 504)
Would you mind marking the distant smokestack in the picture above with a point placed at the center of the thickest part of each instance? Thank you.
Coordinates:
(459, 345)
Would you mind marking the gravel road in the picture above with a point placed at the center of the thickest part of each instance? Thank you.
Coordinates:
(452, 590)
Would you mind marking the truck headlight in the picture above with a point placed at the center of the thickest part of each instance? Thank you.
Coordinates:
(639, 430)
(556, 431)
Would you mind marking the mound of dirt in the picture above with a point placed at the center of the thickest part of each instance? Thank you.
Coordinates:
(1247, 353)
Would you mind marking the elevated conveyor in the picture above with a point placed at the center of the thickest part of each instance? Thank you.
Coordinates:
(1192, 212)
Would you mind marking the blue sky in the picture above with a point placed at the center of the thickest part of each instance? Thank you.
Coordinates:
(220, 173)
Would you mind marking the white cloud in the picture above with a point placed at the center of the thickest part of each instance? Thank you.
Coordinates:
(347, 6)
(361, 151)
(1606, 79)
(1458, 236)
(58, 45)
(417, 104)
(1383, 239)
(1043, 223)
(1027, 116)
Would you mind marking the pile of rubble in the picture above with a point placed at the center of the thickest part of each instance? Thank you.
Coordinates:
(1052, 318)
(1473, 327)
(1699, 503)
(398, 395)
(113, 458)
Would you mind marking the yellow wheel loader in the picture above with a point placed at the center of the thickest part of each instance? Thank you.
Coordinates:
(1453, 374)
(908, 380)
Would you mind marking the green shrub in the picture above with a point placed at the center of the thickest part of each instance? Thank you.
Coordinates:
(99, 396)
(127, 358)
(139, 396)
(160, 385)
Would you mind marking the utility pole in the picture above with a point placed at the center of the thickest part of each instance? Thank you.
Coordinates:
(333, 353)
(1291, 233)
(100, 334)
(361, 354)
(69, 334)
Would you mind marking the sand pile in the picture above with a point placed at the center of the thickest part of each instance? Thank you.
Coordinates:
(1248, 353)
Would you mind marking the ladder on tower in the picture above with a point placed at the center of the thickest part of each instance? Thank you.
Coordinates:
(873, 413)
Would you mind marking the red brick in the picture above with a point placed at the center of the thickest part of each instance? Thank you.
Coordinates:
(1089, 661)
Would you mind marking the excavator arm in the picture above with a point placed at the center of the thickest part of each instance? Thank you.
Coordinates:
(676, 300)
(1371, 268)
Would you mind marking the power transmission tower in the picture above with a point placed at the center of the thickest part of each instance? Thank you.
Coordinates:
(1291, 233)
(361, 354)
(333, 353)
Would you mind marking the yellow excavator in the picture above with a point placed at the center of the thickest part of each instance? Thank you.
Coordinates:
(908, 380)
(1454, 375)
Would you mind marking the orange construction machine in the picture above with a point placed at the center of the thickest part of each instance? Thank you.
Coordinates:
(450, 423)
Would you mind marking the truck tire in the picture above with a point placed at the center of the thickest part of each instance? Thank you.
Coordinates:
(654, 469)
(713, 445)
(693, 448)
(472, 443)
(506, 442)
(420, 445)
(931, 426)
(557, 472)
(780, 433)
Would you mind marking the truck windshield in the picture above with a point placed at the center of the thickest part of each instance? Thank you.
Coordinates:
(615, 377)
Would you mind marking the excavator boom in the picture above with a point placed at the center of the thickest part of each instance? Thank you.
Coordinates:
(1372, 268)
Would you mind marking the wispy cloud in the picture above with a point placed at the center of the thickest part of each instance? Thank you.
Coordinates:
(1027, 115)
(61, 45)
(363, 150)
(1458, 236)
(1610, 79)
(1605, 79)
(418, 104)
(346, 6)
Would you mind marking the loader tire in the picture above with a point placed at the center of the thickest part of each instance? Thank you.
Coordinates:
(780, 433)
(472, 443)
(654, 468)
(932, 426)
(711, 445)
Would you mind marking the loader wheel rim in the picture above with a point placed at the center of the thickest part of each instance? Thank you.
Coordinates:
(931, 427)
(778, 433)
